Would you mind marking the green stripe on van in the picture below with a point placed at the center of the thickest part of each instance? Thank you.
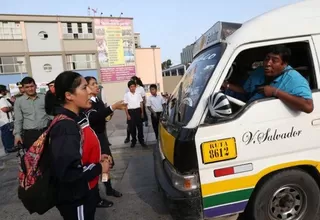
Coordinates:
(226, 198)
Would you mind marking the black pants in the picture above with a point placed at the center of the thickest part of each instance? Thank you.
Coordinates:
(155, 123)
(105, 149)
(134, 124)
(30, 136)
(85, 211)
(145, 119)
(128, 131)
(104, 143)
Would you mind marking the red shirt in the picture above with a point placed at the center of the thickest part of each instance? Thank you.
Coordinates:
(91, 152)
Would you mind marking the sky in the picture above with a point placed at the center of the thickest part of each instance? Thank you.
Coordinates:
(169, 24)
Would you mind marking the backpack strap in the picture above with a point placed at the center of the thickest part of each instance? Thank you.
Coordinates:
(64, 117)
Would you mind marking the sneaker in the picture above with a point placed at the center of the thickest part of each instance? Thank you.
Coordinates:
(115, 193)
(126, 140)
(104, 204)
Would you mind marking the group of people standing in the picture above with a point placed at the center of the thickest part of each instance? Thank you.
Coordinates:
(136, 103)
(80, 151)
(79, 147)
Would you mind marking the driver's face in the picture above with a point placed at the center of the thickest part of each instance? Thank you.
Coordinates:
(273, 65)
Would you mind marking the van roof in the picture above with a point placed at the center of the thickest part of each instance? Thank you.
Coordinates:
(298, 19)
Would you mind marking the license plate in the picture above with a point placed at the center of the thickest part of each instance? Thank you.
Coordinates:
(219, 150)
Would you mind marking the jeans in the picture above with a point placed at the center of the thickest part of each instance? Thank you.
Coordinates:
(7, 137)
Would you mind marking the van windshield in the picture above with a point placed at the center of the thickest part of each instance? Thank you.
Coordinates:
(186, 96)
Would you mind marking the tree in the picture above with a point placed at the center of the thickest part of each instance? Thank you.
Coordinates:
(166, 64)
(169, 63)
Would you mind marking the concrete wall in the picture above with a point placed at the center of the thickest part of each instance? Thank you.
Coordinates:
(170, 82)
(145, 66)
(12, 47)
(114, 91)
(37, 66)
(73, 45)
(38, 44)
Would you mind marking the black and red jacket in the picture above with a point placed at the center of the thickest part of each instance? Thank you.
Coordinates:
(75, 157)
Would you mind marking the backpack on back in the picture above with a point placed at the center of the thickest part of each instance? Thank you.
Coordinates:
(37, 188)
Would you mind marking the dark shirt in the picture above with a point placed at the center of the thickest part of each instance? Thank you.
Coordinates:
(51, 103)
(97, 116)
(66, 148)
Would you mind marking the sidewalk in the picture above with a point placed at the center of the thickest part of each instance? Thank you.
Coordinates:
(117, 131)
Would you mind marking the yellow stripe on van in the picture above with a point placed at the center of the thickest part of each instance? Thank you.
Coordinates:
(167, 143)
(249, 181)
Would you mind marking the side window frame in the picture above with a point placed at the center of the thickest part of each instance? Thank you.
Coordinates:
(249, 46)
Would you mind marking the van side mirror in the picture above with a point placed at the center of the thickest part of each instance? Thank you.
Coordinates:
(219, 105)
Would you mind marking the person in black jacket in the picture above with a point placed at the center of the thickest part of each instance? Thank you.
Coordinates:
(50, 100)
(75, 153)
(97, 115)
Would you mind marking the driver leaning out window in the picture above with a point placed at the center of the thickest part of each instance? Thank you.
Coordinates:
(277, 79)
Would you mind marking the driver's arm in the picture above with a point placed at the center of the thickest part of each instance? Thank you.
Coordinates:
(299, 97)
(295, 102)
(226, 85)
(249, 85)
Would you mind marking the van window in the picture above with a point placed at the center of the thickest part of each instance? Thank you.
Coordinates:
(248, 60)
(185, 98)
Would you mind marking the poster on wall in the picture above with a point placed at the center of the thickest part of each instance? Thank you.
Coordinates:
(115, 46)
(41, 88)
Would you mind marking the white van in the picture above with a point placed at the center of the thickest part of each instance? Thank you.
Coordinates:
(262, 160)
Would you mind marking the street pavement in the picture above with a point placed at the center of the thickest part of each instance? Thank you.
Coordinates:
(132, 175)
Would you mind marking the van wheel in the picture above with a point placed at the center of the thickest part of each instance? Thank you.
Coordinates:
(286, 195)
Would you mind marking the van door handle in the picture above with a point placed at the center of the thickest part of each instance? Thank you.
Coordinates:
(316, 122)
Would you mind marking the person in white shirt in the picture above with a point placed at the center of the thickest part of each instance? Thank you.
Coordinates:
(134, 111)
(6, 121)
(155, 104)
(141, 91)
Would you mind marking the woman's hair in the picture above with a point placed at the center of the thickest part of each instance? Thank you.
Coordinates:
(137, 80)
(88, 78)
(66, 81)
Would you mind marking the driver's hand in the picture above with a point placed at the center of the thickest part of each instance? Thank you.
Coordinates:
(268, 91)
(224, 85)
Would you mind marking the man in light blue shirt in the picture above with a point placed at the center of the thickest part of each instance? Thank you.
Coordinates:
(277, 79)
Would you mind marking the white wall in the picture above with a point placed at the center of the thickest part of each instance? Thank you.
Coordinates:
(36, 44)
(37, 67)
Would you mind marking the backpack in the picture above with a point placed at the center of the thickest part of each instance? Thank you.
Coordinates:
(37, 188)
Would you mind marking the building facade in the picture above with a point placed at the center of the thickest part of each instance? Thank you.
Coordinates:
(137, 41)
(43, 46)
(148, 64)
(172, 76)
(187, 54)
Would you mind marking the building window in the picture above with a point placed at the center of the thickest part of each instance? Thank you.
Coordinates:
(11, 65)
(10, 30)
(43, 35)
(81, 61)
(77, 30)
(181, 71)
(47, 67)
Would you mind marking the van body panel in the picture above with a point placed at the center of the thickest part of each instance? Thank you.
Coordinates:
(266, 136)
(276, 140)
(167, 143)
